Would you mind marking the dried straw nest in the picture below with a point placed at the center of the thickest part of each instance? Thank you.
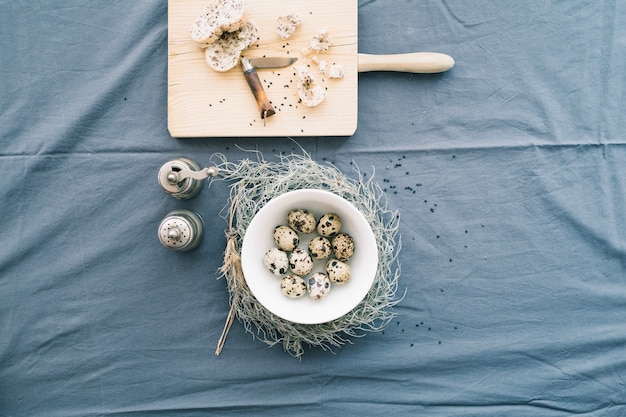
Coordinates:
(254, 183)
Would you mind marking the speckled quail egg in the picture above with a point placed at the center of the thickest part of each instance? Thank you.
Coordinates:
(302, 221)
(329, 224)
(343, 246)
(300, 262)
(276, 261)
(338, 272)
(286, 238)
(319, 247)
(318, 285)
(293, 286)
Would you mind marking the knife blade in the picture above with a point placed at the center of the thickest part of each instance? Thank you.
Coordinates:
(249, 66)
(271, 62)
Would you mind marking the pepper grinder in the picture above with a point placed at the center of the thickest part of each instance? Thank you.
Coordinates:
(182, 177)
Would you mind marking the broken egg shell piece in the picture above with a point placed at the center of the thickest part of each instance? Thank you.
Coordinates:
(321, 41)
(310, 92)
(286, 238)
(318, 285)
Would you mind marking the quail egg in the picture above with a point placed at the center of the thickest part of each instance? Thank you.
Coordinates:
(300, 262)
(319, 285)
(302, 221)
(338, 272)
(286, 238)
(343, 246)
(276, 261)
(329, 224)
(320, 248)
(293, 286)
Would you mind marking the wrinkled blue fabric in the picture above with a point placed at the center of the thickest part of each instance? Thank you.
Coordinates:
(508, 171)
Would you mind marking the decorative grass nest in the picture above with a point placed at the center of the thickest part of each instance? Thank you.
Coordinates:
(254, 183)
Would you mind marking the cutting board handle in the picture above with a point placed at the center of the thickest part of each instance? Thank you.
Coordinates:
(416, 62)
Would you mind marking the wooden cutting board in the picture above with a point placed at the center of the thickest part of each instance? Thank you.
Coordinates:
(206, 103)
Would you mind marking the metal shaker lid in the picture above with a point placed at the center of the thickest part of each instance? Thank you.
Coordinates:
(181, 230)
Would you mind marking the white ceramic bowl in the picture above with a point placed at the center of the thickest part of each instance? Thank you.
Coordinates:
(265, 286)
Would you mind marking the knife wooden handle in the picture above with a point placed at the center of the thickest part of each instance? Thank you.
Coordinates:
(416, 62)
(265, 107)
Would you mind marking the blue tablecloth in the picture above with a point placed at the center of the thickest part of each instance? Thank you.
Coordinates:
(508, 171)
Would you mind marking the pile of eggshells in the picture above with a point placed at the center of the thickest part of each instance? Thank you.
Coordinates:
(294, 264)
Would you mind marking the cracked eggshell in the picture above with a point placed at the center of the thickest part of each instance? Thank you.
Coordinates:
(343, 246)
(338, 272)
(320, 248)
(318, 285)
(329, 224)
(300, 262)
(302, 220)
(276, 261)
(286, 238)
(293, 286)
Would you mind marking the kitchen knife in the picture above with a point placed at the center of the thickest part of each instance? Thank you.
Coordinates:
(249, 66)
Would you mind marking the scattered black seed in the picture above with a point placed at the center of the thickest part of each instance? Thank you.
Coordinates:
(429, 329)
(411, 344)
(432, 210)
(455, 328)
(450, 260)
(438, 236)
(466, 231)
(397, 165)
(440, 342)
